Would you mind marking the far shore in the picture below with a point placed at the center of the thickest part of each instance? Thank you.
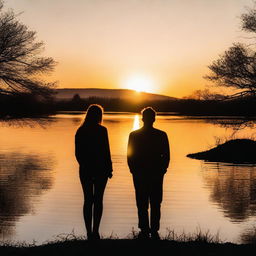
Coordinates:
(28, 105)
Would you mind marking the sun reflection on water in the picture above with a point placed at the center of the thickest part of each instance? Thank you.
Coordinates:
(136, 122)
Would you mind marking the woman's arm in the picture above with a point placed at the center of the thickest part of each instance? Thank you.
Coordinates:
(108, 154)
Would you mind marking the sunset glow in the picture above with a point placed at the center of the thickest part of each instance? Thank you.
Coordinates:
(96, 42)
(139, 83)
(127, 126)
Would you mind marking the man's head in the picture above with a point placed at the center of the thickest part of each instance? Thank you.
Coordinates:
(148, 116)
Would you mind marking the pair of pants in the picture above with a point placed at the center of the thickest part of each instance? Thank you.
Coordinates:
(93, 188)
(149, 191)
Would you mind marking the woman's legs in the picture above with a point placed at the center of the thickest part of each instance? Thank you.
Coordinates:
(87, 185)
(99, 187)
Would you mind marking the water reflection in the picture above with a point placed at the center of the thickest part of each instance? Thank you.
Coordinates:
(236, 124)
(42, 122)
(136, 122)
(248, 235)
(233, 189)
(23, 177)
(56, 208)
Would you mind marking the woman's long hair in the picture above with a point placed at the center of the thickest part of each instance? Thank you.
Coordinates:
(93, 115)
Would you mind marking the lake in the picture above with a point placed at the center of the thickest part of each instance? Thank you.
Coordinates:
(41, 196)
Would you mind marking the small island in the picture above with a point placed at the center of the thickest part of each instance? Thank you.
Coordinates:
(238, 151)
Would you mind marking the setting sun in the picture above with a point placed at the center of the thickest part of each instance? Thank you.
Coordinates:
(139, 83)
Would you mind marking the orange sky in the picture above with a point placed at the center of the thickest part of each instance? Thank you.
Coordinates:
(103, 43)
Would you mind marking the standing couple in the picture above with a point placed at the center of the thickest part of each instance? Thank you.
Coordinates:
(148, 159)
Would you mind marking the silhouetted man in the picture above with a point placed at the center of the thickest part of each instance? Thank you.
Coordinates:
(148, 160)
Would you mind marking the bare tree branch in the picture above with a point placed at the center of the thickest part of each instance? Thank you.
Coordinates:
(20, 59)
(236, 68)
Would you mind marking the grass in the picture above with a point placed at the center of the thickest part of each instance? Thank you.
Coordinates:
(198, 243)
(198, 236)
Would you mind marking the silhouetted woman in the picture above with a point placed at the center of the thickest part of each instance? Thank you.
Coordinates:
(93, 155)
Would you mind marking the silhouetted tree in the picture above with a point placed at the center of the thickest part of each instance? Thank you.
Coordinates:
(20, 60)
(205, 94)
(249, 21)
(236, 68)
(76, 98)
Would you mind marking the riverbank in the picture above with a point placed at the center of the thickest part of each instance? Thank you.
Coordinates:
(129, 246)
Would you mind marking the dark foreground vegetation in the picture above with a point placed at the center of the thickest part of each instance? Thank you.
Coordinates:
(238, 151)
(130, 247)
(198, 243)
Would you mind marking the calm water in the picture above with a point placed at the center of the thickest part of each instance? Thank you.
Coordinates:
(41, 197)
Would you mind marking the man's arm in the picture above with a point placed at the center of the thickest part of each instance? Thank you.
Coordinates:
(165, 152)
(130, 152)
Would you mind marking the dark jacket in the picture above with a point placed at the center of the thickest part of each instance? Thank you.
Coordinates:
(148, 151)
(92, 150)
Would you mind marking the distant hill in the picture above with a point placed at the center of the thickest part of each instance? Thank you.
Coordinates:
(68, 93)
